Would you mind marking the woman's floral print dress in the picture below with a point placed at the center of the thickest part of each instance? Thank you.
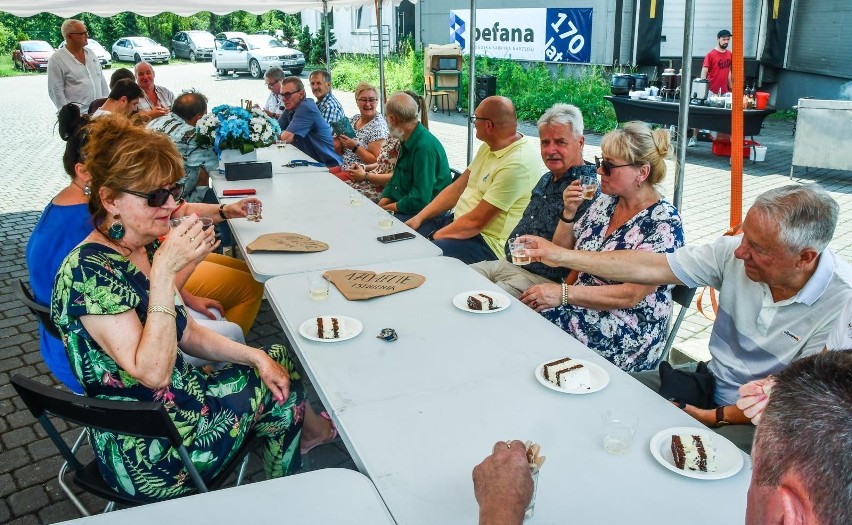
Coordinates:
(631, 338)
(214, 413)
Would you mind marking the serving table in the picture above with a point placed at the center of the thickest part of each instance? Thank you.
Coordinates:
(336, 496)
(419, 413)
(701, 117)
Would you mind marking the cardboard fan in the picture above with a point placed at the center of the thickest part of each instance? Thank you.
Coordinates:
(285, 242)
(357, 285)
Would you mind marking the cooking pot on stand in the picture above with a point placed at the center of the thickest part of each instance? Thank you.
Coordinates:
(700, 89)
(621, 85)
(640, 81)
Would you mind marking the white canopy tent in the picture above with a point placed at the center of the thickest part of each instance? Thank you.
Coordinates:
(179, 7)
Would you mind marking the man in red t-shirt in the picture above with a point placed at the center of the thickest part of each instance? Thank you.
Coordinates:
(717, 69)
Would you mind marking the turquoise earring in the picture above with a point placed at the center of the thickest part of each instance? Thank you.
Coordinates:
(116, 229)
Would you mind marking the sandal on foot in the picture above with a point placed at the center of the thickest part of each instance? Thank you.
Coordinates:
(307, 447)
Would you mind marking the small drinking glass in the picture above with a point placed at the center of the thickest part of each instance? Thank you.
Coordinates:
(619, 429)
(206, 222)
(518, 249)
(385, 219)
(253, 211)
(528, 513)
(355, 198)
(589, 184)
(318, 286)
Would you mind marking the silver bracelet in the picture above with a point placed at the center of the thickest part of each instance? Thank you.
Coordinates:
(154, 308)
(564, 294)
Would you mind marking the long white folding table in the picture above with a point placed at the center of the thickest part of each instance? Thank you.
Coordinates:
(311, 201)
(337, 496)
(419, 413)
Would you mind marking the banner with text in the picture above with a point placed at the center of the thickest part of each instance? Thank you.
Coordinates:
(539, 34)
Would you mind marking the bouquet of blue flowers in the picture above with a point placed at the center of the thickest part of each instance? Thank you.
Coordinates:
(233, 127)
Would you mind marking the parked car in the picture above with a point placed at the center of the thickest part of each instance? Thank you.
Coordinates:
(31, 55)
(139, 48)
(256, 54)
(103, 55)
(194, 45)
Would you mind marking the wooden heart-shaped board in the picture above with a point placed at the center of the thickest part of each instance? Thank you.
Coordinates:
(357, 285)
(285, 242)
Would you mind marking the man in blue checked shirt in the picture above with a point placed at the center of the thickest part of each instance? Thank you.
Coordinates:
(329, 107)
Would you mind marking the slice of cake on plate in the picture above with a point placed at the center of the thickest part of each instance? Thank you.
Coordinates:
(568, 374)
(330, 327)
(690, 452)
(482, 302)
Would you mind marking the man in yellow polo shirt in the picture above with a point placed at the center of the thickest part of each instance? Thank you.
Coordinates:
(489, 198)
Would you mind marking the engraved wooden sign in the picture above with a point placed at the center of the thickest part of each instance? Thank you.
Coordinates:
(357, 285)
(285, 242)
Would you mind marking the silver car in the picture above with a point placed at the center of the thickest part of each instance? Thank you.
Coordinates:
(256, 54)
(194, 45)
(139, 48)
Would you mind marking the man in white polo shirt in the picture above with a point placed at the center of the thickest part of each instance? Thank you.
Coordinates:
(781, 290)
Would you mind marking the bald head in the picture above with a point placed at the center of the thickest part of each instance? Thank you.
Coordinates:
(501, 112)
(402, 106)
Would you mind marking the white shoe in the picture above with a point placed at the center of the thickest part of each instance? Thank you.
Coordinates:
(691, 142)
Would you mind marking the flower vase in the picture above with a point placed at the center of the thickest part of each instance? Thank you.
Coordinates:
(233, 155)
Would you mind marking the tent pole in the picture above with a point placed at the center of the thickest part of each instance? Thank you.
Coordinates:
(382, 93)
(327, 50)
(685, 93)
(471, 82)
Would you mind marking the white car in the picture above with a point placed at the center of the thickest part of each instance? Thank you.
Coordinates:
(100, 51)
(255, 54)
(138, 48)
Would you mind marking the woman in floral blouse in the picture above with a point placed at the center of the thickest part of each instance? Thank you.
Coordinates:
(625, 323)
(371, 179)
(116, 305)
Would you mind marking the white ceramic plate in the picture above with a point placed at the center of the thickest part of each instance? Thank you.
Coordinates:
(599, 376)
(352, 328)
(502, 301)
(729, 459)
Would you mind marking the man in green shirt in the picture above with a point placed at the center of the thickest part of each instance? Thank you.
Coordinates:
(422, 169)
(490, 197)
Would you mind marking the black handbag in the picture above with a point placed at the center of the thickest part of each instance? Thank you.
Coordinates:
(693, 388)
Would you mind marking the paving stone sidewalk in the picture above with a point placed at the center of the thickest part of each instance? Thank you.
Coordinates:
(32, 173)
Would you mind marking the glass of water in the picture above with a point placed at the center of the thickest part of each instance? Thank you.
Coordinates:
(619, 429)
(318, 286)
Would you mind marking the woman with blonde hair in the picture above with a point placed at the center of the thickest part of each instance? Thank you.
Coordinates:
(624, 322)
(372, 178)
(370, 127)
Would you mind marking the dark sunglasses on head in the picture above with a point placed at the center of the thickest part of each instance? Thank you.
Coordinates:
(159, 196)
(608, 166)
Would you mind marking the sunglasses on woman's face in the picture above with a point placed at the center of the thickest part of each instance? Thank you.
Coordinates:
(607, 166)
(159, 196)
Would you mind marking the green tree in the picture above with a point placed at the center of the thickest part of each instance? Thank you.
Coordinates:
(306, 42)
(317, 55)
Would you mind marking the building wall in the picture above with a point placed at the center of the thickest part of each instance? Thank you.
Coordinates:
(793, 85)
(352, 27)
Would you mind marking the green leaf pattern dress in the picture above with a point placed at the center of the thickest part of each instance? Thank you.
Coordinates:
(214, 413)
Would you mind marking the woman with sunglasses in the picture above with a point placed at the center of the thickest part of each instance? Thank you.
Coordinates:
(625, 323)
(220, 287)
(370, 127)
(115, 304)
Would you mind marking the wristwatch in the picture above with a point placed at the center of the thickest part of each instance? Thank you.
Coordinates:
(720, 417)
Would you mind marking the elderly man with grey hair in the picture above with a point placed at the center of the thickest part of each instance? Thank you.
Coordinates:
(422, 169)
(74, 73)
(274, 106)
(560, 131)
(781, 290)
